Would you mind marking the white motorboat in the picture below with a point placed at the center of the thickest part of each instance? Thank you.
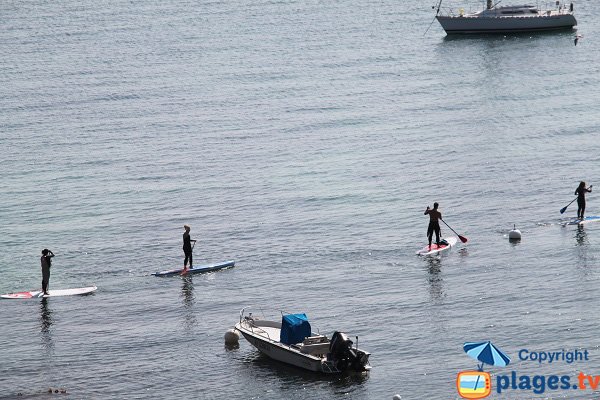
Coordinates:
(506, 19)
(292, 341)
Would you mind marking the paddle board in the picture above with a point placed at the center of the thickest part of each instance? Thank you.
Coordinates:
(52, 293)
(197, 270)
(435, 249)
(586, 220)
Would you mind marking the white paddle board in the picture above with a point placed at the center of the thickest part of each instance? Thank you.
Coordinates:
(586, 220)
(52, 293)
(435, 249)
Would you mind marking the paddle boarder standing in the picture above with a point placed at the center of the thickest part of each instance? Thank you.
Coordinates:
(580, 192)
(187, 247)
(434, 223)
(46, 260)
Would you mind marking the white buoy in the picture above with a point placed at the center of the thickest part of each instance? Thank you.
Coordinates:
(515, 234)
(232, 337)
(397, 397)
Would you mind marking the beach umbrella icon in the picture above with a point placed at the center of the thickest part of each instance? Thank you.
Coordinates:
(487, 353)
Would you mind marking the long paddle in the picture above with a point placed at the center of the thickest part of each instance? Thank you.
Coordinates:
(562, 210)
(462, 238)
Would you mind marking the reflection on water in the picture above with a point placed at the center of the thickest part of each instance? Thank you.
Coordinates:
(267, 369)
(187, 291)
(582, 247)
(46, 325)
(495, 38)
(188, 300)
(231, 346)
(514, 242)
(436, 283)
(581, 236)
(437, 295)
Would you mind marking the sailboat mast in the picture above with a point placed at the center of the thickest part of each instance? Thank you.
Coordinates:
(489, 4)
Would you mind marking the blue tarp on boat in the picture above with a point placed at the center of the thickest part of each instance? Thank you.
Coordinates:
(294, 328)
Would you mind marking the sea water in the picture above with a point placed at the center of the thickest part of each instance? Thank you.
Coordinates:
(302, 139)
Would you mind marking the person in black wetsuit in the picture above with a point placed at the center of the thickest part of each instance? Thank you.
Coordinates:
(187, 247)
(434, 223)
(46, 260)
(580, 192)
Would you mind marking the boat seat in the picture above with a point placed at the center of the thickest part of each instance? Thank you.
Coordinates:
(317, 348)
(315, 339)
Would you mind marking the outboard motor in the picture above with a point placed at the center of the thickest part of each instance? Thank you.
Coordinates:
(342, 353)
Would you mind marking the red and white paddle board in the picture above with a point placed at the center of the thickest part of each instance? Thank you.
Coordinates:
(435, 249)
(52, 293)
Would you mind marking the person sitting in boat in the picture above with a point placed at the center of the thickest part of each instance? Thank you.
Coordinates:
(580, 193)
(434, 223)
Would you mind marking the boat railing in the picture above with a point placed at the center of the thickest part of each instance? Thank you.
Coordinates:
(243, 311)
(259, 329)
(548, 9)
(251, 324)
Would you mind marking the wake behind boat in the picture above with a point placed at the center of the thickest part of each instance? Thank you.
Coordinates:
(197, 270)
(507, 19)
(291, 341)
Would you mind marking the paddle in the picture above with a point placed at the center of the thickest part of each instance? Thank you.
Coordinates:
(562, 210)
(462, 238)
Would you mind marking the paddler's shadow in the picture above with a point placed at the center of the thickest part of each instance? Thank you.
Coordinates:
(188, 300)
(46, 325)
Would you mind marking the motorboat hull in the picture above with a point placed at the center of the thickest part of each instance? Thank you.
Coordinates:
(283, 353)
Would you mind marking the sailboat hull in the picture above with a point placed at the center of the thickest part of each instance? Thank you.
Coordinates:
(479, 24)
(508, 19)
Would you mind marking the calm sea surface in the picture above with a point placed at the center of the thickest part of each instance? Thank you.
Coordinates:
(302, 139)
